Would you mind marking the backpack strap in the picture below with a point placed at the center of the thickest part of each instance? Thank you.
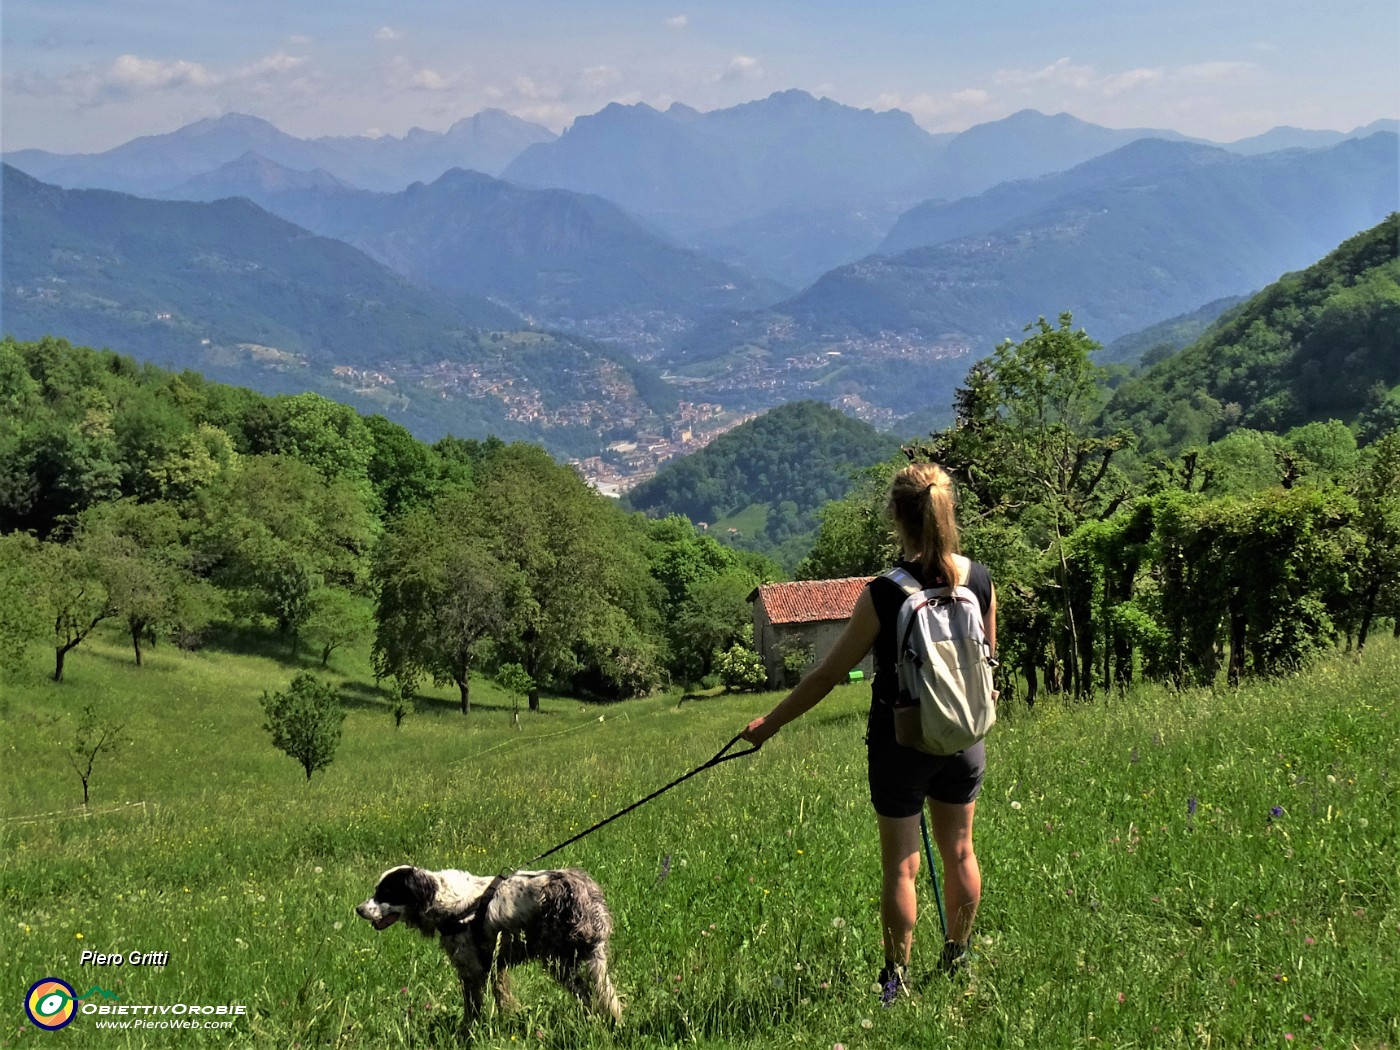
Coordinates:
(904, 580)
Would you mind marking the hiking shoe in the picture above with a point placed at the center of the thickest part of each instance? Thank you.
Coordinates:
(955, 959)
(893, 984)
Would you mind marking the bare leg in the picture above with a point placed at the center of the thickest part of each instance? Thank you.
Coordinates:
(951, 826)
(899, 862)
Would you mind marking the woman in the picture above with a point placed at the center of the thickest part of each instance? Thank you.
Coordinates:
(902, 780)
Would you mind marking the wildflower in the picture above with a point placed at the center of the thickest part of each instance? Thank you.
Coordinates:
(1191, 806)
(1122, 998)
(866, 1022)
(78, 936)
(1307, 1017)
(1015, 805)
(338, 925)
(317, 869)
(1309, 941)
(838, 1046)
(1276, 811)
(1288, 1036)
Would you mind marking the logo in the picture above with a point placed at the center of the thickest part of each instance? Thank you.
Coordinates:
(52, 1004)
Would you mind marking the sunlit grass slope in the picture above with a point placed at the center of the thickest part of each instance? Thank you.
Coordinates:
(1161, 869)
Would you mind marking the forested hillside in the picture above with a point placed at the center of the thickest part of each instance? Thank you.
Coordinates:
(168, 505)
(785, 466)
(1244, 557)
(1320, 343)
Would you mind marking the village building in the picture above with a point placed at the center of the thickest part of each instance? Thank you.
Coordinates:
(806, 616)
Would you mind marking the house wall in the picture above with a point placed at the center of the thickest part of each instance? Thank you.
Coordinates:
(773, 641)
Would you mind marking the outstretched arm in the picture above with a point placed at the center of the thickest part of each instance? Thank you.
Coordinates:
(850, 648)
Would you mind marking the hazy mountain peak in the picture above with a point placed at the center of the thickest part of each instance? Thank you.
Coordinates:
(230, 122)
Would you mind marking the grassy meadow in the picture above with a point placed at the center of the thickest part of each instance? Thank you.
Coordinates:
(1117, 911)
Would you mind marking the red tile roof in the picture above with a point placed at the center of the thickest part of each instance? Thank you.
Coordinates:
(811, 601)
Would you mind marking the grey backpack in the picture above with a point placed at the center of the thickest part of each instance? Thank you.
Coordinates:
(944, 703)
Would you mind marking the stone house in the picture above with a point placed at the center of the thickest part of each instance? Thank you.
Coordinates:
(807, 614)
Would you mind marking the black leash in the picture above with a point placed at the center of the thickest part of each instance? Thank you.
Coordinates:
(474, 921)
(719, 757)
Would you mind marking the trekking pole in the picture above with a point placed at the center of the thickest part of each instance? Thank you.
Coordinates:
(721, 756)
(933, 874)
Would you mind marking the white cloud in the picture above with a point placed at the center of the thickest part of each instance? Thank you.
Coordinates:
(678, 22)
(430, 80)
(387, 34)
(300, 39)
(596, 78)
(741, 67)
(1063, 73)
(402, 75)
(535, 90)
(936, 110)
(131, 76)
(1085, 79)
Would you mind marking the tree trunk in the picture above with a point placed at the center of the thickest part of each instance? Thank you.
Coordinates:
(136, 630)
(59, 652)
(1237, 643)
(532, 666)
(1368, 611)
(464, 689)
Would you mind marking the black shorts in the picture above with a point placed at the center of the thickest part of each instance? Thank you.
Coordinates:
(902, 778)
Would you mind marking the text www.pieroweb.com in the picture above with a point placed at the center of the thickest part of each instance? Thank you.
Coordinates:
(146, 1024)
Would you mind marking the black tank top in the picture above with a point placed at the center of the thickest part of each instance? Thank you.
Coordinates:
(888, 597)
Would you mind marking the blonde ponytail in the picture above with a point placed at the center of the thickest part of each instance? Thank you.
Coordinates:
(923, 506)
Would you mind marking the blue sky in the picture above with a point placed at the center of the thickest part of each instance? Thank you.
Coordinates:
(85, 75)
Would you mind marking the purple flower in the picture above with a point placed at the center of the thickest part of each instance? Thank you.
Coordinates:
(1276, 811)
(1191, 806)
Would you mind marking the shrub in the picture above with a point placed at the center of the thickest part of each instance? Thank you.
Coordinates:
(740, 668)
(305, 721)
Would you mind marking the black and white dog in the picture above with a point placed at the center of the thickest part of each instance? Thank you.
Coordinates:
(486, 925)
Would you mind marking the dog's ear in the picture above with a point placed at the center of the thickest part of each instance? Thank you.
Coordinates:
(407, 887)
(422, 888)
